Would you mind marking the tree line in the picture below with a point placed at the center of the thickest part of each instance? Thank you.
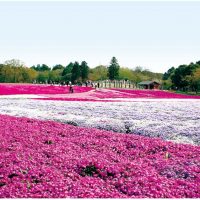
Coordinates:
(184, 78)
(15, 71)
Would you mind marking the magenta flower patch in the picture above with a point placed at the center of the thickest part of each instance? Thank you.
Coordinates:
(61, 93)
(12, 88)
(46, 159)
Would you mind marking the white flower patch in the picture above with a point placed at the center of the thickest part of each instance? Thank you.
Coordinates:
(176, 120)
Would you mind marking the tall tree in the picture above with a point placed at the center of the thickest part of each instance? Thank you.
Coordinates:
(84, 71)
(68, 69)
(67, 72)
(76, 72)
(113, 69)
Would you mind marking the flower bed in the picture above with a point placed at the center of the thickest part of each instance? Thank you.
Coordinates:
(169, 120)
(154, 94)
(54, 160)
(113, 95)
(50, 92)
(10, 89)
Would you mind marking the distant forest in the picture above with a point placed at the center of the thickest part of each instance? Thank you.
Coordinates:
(14, 71)
(184, 78)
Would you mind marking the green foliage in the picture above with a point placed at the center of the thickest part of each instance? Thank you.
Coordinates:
(113, 69)
(138, 75)
(89, 170)
(15, 71)
(42, 67)
(58, 67)
(68, 69)
(43, 77)
(98, 73)
(184, 77)
(195, 81)
(84, 71)
(167, 84)
(168, 74)
(126, 73)
(55, 75)
(67, 72)
(76, 72)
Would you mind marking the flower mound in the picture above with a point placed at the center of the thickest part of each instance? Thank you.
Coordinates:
(50, 159)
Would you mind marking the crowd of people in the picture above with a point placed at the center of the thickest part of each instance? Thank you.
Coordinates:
(69, 83)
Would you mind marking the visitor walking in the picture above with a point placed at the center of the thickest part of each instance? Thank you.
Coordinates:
(70, 88)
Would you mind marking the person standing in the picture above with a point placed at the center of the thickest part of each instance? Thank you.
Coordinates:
(70, 88)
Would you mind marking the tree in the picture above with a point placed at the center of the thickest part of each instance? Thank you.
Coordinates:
(126, 73)
(84, 71)
(113, 69)
(55, 75)
(98, 73)
(14, 63)
(68, 69)
(13, 70)
(196, 80)
(180, 78)
(6, 74)
(58, 67)
(76, 72)
(32, 74)
(67, 72)
(198, 62)
(169, 73)
(41, 68)
(43, 77)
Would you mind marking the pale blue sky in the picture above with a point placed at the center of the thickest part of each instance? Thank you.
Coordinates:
(154, 35)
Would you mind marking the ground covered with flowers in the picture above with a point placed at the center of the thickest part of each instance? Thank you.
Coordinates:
(55, 92)
(13, 89)
(51, 159)
(173, 120)
(113, 95)
(92, 143)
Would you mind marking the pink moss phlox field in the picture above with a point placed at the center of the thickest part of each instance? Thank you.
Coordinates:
(112, 95)
(154, 94)
(50, 159)
(87, 93)
(10, 89)
(77, 99)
